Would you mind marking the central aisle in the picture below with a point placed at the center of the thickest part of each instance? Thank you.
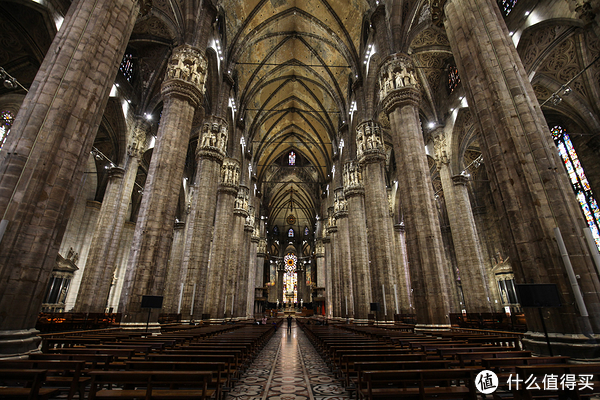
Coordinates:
(288, 368)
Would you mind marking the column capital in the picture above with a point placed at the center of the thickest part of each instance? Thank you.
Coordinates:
(399, 227)
(352, 178)
(369, 142)
(340, 204)
(320, 248)
(116, 173)
(213, 139)
(137, 138)
(230, 176)
(240, 207)
(398, 85)
(460, 180)
(186, 74)
(437, 12)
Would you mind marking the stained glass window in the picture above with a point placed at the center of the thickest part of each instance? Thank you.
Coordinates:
(506, 6)
(579, 181)
(290, 278)
(292, 158)
(306, 231)
(453, 78)
(291, 233)
(6, 120)
(275, 230)
(127, 67)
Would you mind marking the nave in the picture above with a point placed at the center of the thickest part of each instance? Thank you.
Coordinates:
(288, 368)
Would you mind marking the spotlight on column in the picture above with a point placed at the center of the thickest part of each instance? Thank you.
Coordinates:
(9, 83)
(567, 91)
(431, 125)
(556, 99)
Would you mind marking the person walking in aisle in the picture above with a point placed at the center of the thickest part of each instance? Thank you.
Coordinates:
(289, 323)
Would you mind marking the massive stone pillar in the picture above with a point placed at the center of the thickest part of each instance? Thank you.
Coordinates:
(403, 288)
(371, 155)
(329, 254)
(429, 268)
(101, 264)
(243, 266)
(477, 293)
(182, 91)
(346, 295)
(530, 188)
(44, 157)
(215, 294)
(334, 277)
(210, 154)
(361, 276)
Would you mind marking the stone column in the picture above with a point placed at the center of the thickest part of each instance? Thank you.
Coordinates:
(334, 280)
(210, 154)
(346, 296)
(469, 257)
(361, 274)
(101, 264)
(215, 294)
(174, 287)
(44, 157)
(403, 288)
(327, 274)
(371, 155)
(246, 273)
(530, 188)
(429, 269)
(182, 91)
(254, 279)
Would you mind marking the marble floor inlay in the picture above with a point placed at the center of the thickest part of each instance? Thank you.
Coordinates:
(288, 368)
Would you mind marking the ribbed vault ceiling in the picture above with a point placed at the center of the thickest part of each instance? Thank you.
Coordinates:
(292, 61)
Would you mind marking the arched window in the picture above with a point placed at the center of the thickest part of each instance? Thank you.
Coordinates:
(290, 279)
(292, 158)
(127, 66)
(6, 120)
(579, 181)
(275, 230)
(306, 231)
(291, 233)
(506, 6)
(453, 78)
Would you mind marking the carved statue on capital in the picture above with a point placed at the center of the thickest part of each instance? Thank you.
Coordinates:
(319, 249)
(352, 177)
(261, 247)
(186, 74)
(440, 148)
(213, 138)
(137, 138)
(397, 73)
(241, 201)
(250, 217)
(369, 139)
(188, 64)
(398, 81)
(230, 174)
(340, 204)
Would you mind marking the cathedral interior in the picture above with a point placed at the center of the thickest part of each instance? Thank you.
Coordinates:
(417, 161)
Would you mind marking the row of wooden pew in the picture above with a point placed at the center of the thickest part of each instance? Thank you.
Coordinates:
(378, 364)
(191, 363)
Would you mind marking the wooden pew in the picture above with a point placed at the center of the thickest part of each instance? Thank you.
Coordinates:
(421, 383)
(65, 375)
(151, 384)
(219, 378)
(24, 384)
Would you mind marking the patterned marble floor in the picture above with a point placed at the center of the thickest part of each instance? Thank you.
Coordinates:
(288, 368)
